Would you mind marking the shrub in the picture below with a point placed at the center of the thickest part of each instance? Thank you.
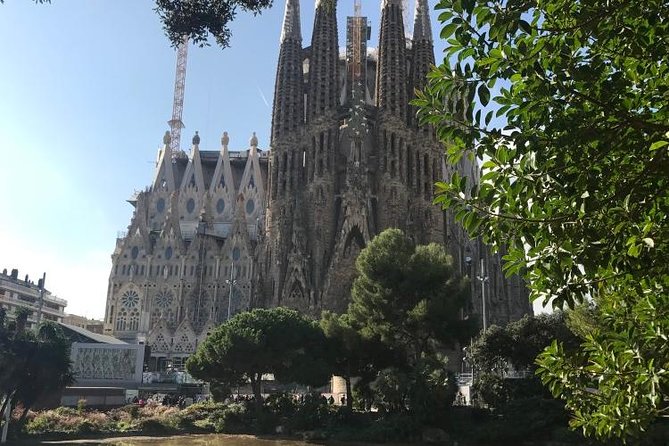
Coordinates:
(202, 411)
(235, 419)
(130, 409)
(313, 412)
(81, 406)
(281, 404)
(393, 427)
(155, 426)
(491, 390)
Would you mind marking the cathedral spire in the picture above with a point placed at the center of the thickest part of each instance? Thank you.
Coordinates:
(323, 65)
(391, 91)
(422, 28)
(288, 112)
(422, 48)
(291, 28)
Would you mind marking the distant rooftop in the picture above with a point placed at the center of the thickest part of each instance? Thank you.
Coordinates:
(79, 334)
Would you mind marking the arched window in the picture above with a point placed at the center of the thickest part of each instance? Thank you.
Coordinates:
(121, 320)
(133, 320)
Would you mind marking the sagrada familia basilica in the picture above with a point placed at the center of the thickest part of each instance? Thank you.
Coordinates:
(219, 232)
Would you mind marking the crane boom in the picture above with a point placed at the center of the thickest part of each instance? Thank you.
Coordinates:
(176, 124)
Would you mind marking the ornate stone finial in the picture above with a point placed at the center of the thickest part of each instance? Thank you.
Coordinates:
(254, 140)
(422, 29)
(167, 138)
(225, 139)
(196, 139)
(385, 3)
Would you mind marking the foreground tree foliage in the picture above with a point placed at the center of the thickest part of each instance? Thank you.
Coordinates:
(513, 348)
(576, 182)
(31, 365)
(200, 19)
(277, 341)
(517, 344)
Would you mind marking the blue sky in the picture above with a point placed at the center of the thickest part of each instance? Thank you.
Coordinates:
(85, 93)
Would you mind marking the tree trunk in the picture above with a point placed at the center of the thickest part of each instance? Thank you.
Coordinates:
(22, 420)
(349, 393)
(8, 398)
(256, 383)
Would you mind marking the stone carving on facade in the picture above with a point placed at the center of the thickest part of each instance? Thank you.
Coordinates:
(107, 364)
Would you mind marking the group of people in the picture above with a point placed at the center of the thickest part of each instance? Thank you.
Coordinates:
(168, 399)
(179, 401)
(298, 398)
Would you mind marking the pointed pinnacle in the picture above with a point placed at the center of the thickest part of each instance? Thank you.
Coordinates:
(385, 3)
(422, 28)
(326, 3)
(291, 28)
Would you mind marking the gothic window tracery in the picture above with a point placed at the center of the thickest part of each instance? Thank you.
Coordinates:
(184, 345)
(121, 319)
(160, 344)
(170, 317)
(155, 317)
(133, 320)
(164, 299)
(296, 296)
(130, 299)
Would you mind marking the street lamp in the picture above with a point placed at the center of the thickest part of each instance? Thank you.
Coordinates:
(231, 282)
(40, 284)
(483, 278)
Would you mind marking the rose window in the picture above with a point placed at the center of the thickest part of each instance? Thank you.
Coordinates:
(164, 299)
(130, 299)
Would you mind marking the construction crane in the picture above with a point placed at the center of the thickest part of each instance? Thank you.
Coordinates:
(176, 124)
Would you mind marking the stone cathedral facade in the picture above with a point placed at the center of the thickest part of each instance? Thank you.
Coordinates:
(219, 232)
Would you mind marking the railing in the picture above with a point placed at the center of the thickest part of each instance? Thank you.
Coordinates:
(58, 300)
(518, 374)
(168, 378)
(464, 379)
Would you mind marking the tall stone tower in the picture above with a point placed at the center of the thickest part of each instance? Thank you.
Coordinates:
(355, 161)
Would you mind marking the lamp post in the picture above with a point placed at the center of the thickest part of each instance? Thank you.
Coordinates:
(483, 278)
(41, 283)
(231, 282)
